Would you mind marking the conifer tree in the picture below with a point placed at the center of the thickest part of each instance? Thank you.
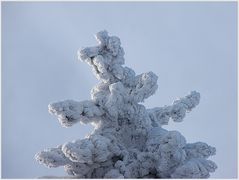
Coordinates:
(129, 140)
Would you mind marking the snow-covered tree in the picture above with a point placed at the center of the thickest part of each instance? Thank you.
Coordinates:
(128, 140)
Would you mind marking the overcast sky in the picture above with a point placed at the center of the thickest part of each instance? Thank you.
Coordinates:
(190, 46)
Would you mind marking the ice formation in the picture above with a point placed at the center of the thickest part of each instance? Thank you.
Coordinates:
(128, 140)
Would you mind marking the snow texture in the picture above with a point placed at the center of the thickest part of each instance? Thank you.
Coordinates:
(128, 140)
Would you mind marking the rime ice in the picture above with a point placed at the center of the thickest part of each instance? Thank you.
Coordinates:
(129, 140)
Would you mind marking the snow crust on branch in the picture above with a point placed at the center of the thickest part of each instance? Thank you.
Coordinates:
(128, 140)
(177, 111)
(70, 112)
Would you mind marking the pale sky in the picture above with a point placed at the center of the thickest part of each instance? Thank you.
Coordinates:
(190, 46)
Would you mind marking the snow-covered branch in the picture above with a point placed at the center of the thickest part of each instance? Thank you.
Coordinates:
(177, 111)
(70, 112)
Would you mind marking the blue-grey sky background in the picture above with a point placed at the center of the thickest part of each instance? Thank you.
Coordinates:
(189, 45)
